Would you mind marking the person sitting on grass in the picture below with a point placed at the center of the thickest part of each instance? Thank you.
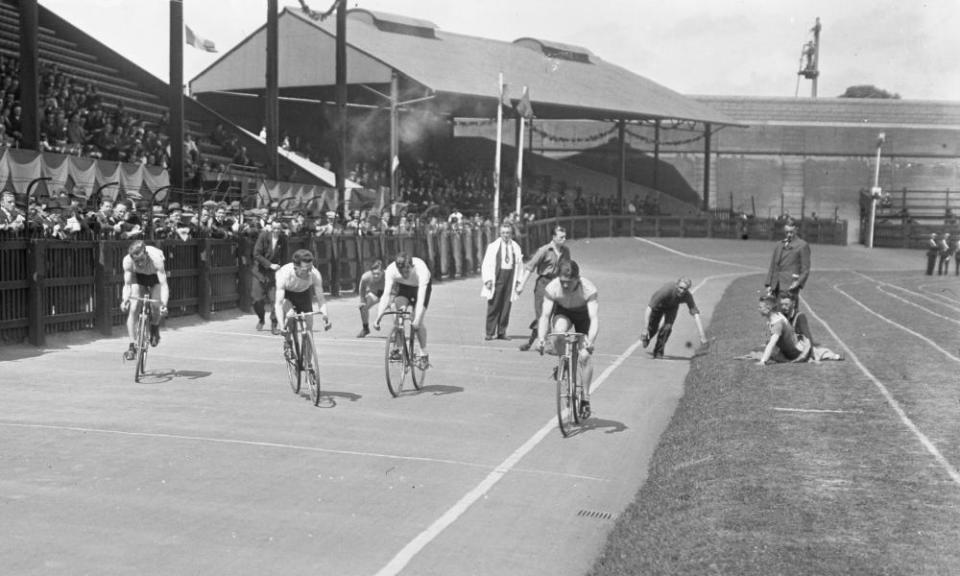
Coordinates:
(798, 320)
(784, 344)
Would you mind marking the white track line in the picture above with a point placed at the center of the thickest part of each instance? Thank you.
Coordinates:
(908, 291)
(415, 546)
(934, 313)
(892, 402)
(892, 323)
(694, 256)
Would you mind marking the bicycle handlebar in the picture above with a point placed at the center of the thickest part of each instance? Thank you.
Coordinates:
(569, 338)
(399, 312)
(142, 299)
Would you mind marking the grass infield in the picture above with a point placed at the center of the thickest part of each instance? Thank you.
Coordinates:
(807, 469)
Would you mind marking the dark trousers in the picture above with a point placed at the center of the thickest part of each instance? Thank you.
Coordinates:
(498, 307)
(538, 291)
(931, 262)
(662, 332)
(944, 267)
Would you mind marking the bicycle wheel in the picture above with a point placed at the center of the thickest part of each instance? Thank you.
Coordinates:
(417, 363)
(310, 367)
(140, 365)
(395, 360)
(290, 357)
(564, 398)
(576, 387)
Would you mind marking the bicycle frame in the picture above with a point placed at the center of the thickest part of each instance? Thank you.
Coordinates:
(142, 335)
(570, 394)
(305, 353)
(403, 339)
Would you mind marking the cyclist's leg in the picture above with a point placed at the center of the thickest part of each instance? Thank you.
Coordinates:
(155, 315)
(135, 292)
(559, 325)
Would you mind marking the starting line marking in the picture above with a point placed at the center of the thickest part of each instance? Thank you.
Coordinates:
(816, 410)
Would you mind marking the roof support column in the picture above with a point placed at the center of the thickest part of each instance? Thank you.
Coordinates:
(272, 112)
(656, 155)
(175, 131)
(622, 171)
(394, 134)
(341, 57)
(706, 167)
(30, 74)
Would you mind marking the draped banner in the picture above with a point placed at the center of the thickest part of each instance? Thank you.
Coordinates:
(82, 176)
(288, 196)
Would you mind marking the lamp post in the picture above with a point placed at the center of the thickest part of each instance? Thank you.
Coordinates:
(875, 191)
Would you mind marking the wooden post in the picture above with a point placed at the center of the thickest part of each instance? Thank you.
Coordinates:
(204, 289)
(101, 294)
(36, 274)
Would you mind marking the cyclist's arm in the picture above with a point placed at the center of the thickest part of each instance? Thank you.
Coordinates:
(318, 295)
(423, 277)
(129, 279)
(593, 308)
(543, 326)
(387, 299)
(280, 291)
(164, 287)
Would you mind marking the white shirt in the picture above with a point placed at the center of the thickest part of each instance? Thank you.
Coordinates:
(287, 280)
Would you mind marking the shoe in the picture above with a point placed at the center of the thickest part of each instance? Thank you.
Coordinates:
(130, 353)
(363, 333)
(584, 410)
(423, 361)
(488, 337)
(657, 355)
(154, 336)
(645, 339)
(525, 347)
(502, 337)
(274, 328)
(259, 325)
(395, 355)
(287, 349)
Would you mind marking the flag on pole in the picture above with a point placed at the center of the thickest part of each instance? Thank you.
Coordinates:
(200, 42)
(523, 107)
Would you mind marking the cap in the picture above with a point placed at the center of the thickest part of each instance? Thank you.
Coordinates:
(174, 206)
(210, 204)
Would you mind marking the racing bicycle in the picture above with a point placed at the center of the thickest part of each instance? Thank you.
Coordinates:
(570, 393)
(403, 355)
(142, 335)
(300, 354)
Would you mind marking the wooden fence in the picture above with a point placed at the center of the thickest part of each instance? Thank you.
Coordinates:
(51, 286)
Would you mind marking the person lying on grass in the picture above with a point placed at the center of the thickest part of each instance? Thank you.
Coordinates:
(798, 320)
(784, 344)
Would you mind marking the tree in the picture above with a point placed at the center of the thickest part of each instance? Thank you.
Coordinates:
(868, 91)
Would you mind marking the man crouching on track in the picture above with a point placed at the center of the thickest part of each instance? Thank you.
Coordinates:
(570, 305)
(408, 280)
(143, 271)
(299, 284)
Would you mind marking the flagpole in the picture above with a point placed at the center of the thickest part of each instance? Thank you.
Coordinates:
(496, 165)
(523, 121)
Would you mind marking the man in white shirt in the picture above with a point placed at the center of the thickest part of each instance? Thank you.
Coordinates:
(408, 281)
(298, 286)
(501, 276)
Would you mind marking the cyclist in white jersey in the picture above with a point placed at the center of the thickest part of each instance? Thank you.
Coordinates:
(407, 280)
(299, 285)
(144, 276)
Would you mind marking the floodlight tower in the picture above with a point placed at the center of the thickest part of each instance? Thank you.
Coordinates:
(810, 60)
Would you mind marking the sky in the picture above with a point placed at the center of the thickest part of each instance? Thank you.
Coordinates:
(695, 47)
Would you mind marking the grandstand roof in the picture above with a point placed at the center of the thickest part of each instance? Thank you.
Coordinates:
(459, 72)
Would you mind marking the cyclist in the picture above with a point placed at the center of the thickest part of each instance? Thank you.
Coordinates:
(371, 290)
(413, 286)
(298, 285)
(570, 305)
(144, 275)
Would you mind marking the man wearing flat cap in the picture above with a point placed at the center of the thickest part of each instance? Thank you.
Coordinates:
(790, 265)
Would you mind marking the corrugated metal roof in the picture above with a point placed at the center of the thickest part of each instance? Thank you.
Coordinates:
(461, 72)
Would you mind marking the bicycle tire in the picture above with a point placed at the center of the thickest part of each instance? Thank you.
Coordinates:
(310, 367)
(418, 370)
(396, 368)
(576, 387)
(564, 401)
(140, 364)
(292, 358)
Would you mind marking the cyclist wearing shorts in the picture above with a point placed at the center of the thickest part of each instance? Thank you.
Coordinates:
(298, 286)
(407, 281)
(570, 305)
(144, 276)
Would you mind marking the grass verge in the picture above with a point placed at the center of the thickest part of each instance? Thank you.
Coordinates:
(787, 470)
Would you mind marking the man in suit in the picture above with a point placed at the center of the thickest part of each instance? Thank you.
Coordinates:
(500, 273)
(10, 218)
(790, 265)
(933, 249)
(267, 255)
